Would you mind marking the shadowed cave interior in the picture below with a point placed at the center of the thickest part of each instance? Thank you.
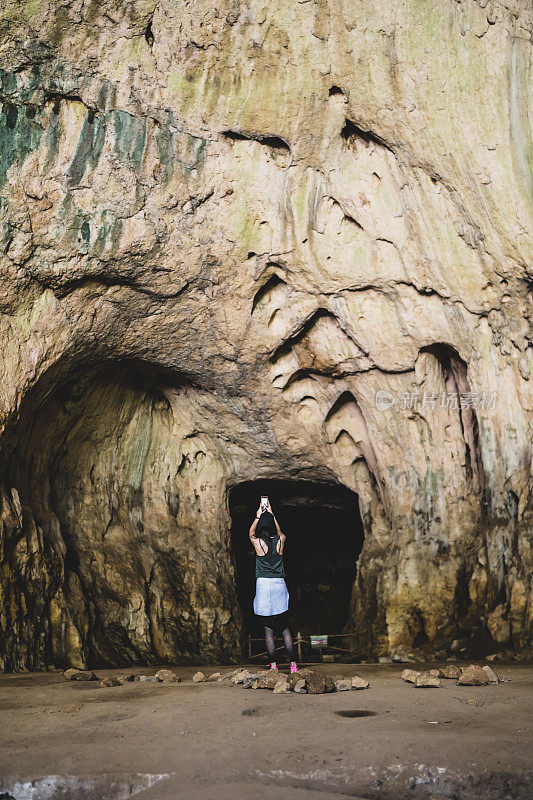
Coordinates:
(324, 539)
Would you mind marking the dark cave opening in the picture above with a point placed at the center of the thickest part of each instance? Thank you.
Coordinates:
(324, 539)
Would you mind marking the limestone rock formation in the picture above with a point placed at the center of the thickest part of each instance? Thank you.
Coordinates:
(261, 240)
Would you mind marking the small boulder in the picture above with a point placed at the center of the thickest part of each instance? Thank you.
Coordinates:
(315, 683)
(343, 685)
(359, 683)
(109, 680)
(450, 671)
(269, 679)
(126, 678)
(79, 675)
(491, 675)
(167, 676)
(198, 677)
(473, 675)
(293, 679)
(282, 687)
(146, 679)
(426, 681)
(249, 680)
(215, 676)
(238, 676)
(436, 673)
(300, 687)
(409, 675)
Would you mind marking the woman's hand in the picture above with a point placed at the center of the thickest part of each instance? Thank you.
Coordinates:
(269, 508)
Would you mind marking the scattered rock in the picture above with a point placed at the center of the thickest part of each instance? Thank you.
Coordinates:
(268, 680)
(436, 673)
(300, 687)
(282, 687)
(199, 677)
(250, 679)
(79, 675)
(385, 660)
(491, 675)
(238, 676)
(409, 675)
(474, 675)
(426, 681)
(214, 677)
(343, 685)
(318, 682)
(146, 679)
(450, 671)
(109, 680)
(293, 678)
(167, 676)
(315, 683)
(127, 678)
(359, 683)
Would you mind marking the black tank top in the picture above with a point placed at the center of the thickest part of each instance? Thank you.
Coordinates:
(270, 565)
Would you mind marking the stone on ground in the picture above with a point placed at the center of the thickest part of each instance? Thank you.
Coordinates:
(293, 678)
(426, 681)
(249, 680)
(409, 675)
(473, 675)
(269, 679)
(238, 676)
(300, 687)
(215, 676)
(126, 678)
(450, 671)
(79, 675)
(282, 686)
(359, 683)
(198, 677)
(110, 680)
(343, 685)
(167, 676)
(491, 675)
(146, 679)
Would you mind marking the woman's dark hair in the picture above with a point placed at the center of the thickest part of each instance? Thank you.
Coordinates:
(266, 524)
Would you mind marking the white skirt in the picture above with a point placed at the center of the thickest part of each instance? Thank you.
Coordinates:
(271, 596)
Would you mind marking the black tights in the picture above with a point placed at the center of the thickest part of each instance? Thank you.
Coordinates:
(271, 646)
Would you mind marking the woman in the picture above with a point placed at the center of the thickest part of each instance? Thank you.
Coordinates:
(271, 600)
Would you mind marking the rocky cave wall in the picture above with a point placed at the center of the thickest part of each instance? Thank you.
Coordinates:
(236, 243)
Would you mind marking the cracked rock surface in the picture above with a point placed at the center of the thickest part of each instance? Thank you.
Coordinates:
(262, 240)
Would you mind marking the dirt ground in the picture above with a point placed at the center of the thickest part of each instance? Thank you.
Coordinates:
(190, 741)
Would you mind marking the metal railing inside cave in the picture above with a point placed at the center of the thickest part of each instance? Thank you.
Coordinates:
(309, 645)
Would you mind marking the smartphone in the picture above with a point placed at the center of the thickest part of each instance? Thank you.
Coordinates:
(264, 502)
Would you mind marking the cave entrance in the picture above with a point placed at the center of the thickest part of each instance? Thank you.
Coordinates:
(324, 539)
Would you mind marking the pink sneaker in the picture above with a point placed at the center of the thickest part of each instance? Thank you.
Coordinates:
(272, 666)
(294, 668)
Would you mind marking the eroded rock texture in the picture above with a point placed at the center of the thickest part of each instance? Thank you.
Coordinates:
(225, 227)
